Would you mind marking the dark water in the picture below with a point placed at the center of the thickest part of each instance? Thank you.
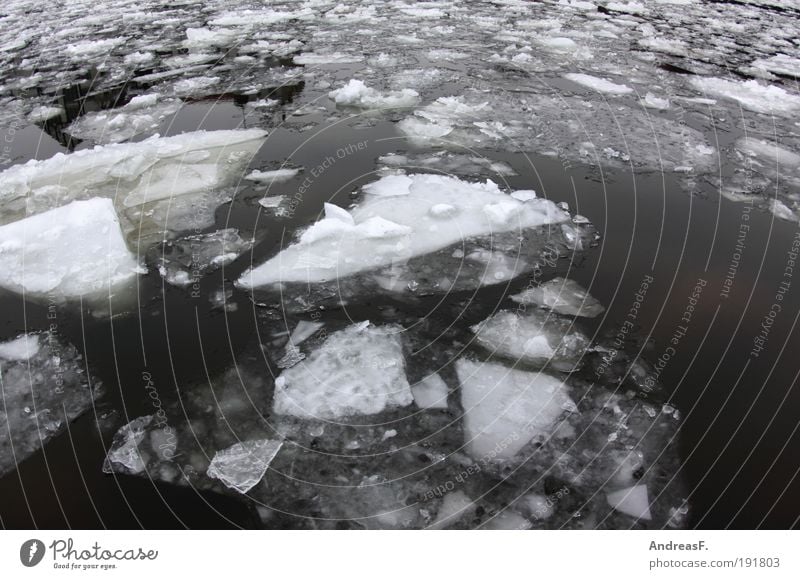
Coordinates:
(739, 436)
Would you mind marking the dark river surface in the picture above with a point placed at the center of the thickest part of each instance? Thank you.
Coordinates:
(739, 439)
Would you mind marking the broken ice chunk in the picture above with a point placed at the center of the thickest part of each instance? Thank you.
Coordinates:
(395, 222)
(651, 101)
(357, 94)
(44, 113)
(68, 252)
(750, 94)
(159, 186)
(124, 455)
(538, 506)
(271, 202)
(303, 331)
(455, 506)
(358, 370)
(142, 114)
(563, 296)
(22, 348)
(633, 501)
(534, 337)
(430, 392)
(292, 354)
(599, 84)
(504, 409)
(43, 388)
(275, 176)
(241, 466)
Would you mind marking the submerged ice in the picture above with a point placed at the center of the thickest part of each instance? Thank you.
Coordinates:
(44, 388)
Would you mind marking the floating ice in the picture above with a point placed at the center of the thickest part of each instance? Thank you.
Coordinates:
(204, 38)
(769, 154)
(782, 211)
(430, 393)
(651, 101)
(750, 94)
(68, 252)
(358, 370)
(22, 348)
(437, 119)
(150, 170)
(272, 202)
(276, 176)
(538, 506)
(504, 409)
(633, 501)
(357, 94)
(90, 48)
(563, 296)
(455, 506)
(243, 465)
(292, 354)
(181, 179)
(535, 337)
(395, 223)
(599, 84)
(44, 113)
(124, 453)
(311, 58)
(450, 163)
(142, 114)
(782, 64)
(43, 387)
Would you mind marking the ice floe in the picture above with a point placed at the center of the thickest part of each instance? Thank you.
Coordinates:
(750, 94)
(562, 296)
(44, 388)
(633, 501)
(357, 94)
(76, 250)
(358, 370)
(242, 466)
(601, 85)
(141, 115)
(533, 337)
(394, 223)
(274, 176)
(504, 409)
(430, 393)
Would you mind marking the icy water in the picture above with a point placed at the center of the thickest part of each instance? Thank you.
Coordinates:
(687, 289)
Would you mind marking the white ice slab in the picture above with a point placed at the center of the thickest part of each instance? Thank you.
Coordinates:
(359, 370)
(395, 223)
(504, 409)
(71, 251)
